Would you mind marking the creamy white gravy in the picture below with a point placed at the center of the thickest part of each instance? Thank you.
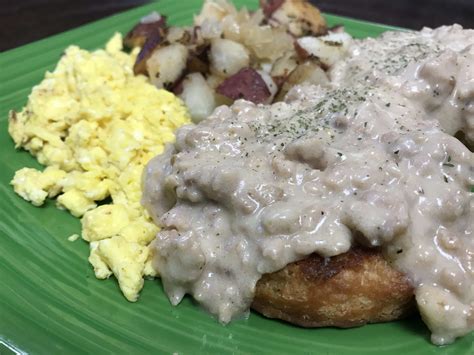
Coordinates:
(370, 159)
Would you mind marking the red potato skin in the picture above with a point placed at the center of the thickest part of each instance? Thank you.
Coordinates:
(270, 6)
(301, 52)
(178, 86)
(148, 36)
(246, 84)
(150, 45)
(303, 56)
(139, 34)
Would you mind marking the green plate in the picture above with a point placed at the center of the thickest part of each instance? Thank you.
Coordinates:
(50, 301)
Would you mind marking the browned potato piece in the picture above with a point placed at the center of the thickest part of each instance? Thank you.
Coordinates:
(198, 60)
(302, 53)
(328, 49)
(271, 85)
(309, 71)
(214, 11)
(266, 43)
(227, 57)
(283, 66)
(214, 81)
(148, 34)
(147, 50)
(179, 34)
(346, 290)
(197, 65)
(299, 16)
(167, 65)
(139, 34)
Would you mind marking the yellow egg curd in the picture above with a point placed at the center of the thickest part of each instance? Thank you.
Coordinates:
(95, 125)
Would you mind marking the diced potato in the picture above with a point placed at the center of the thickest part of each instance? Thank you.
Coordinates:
(271, 85)
(329, 49)
(167, 64)
(308, 72)
(265, 47)
(197, 64)
(231, 28)
(198, 97)
(270, 6)
(151, 44)
(228, 57)
(214, 10)
(179, 34)
(266, 43)
(246, 84)
(214, 81)
(300, 17)
(149, 26)
(284, 65)
(211, 29)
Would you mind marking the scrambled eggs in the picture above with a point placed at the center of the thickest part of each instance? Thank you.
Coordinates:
(95, 125)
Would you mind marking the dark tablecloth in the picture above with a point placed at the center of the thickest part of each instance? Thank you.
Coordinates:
(24, 21)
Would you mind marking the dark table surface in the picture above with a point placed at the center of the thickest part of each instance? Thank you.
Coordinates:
(24, 21)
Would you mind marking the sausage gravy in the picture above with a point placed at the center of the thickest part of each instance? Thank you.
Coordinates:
(370, 157)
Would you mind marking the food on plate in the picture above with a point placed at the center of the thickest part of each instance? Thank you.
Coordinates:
(299, 17)
(345, 290)
(336, 193)
(369, 157)
(151, 28)
(265, 52)
(246, 84)
(94, 125)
